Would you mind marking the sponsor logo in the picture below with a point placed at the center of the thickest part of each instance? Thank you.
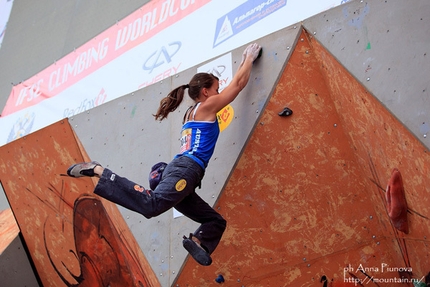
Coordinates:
(22, 127)
(180, 185)
(162, 56)
(138, 188)
(225, 116)
(218, 71)
(86, 104)
(243, 17)
(185, 140)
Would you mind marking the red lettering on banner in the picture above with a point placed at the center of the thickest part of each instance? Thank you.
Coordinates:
(135, 29)
(167, 73)
(223, 82)
(157, 17)
(86, 104)
(101, 98)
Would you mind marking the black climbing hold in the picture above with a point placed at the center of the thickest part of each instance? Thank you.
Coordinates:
(324, 280)
(286, 112)
(220, 279)
(259, 55)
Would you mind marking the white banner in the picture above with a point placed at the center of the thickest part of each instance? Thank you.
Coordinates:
(161, 39)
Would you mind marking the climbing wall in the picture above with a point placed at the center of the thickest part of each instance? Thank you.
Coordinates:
(305, 195)
(306, 200)
(385, 46)
(74, 237)
(124, 136)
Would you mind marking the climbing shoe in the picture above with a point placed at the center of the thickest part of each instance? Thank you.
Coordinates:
(82, 169)
(196, 251)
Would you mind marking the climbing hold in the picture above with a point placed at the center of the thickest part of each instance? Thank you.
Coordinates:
(396, 202)
(285, 112)
(220, 279)
(324, 281)
(259, 54)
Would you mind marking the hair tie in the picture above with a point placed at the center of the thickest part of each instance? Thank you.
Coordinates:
(186, 86)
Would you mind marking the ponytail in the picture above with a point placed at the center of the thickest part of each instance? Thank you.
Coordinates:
(170, 103)
(175, 97)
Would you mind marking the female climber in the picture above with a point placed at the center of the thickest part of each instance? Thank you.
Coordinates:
(184, 173)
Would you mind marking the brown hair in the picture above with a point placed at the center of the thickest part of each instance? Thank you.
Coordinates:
(169, 103)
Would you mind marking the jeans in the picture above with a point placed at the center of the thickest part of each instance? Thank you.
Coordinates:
(176, 189)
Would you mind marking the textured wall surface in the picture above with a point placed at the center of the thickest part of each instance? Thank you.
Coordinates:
(385, 46)
(307, 198)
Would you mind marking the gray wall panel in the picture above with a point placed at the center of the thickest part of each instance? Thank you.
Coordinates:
(123, 135)
(15, 267)
(386, 46)
(42, 32)
(4, 204)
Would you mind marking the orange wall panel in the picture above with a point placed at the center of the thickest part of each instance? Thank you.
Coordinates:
(302, 201)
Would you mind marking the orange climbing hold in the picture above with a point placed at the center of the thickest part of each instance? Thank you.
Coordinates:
(396, 202)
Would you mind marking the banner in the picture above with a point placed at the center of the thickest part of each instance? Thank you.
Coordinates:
(157, 41)
(244, 16)
(130, 32)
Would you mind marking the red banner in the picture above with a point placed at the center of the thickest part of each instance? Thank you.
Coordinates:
(138, 27)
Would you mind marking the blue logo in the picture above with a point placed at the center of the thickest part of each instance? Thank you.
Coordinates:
(244, 16)
(162, 56)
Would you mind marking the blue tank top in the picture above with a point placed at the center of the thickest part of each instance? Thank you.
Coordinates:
(198, 139)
